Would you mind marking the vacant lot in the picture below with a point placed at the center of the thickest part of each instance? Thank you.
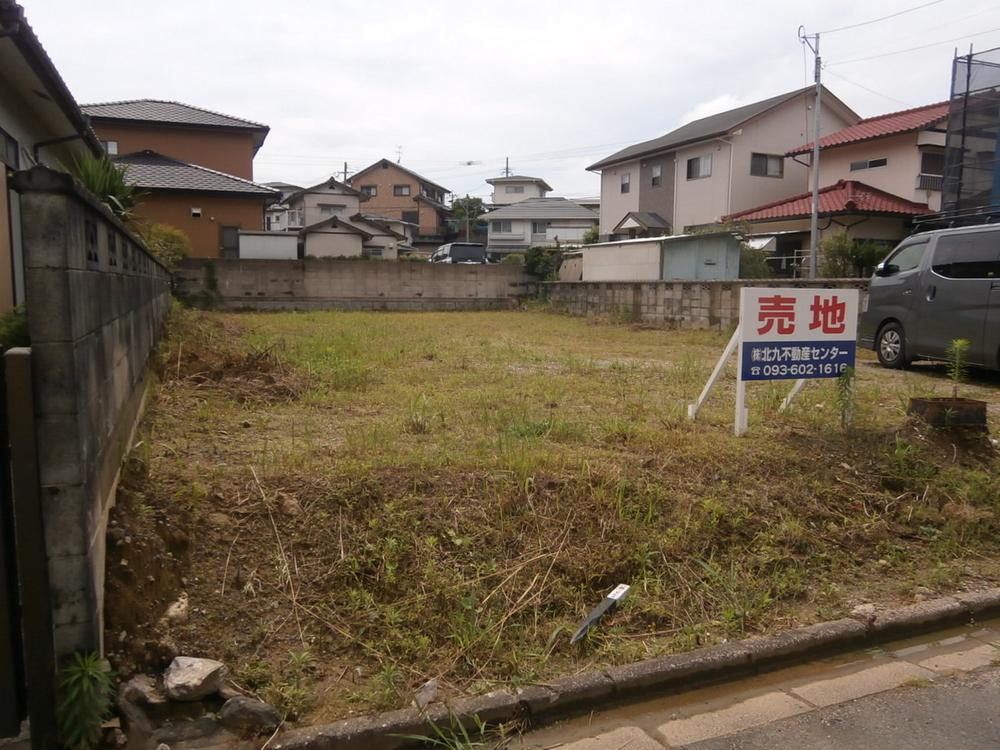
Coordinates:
(357, 502)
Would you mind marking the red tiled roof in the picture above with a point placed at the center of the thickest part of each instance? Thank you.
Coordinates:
(844, 197)
(883, 125)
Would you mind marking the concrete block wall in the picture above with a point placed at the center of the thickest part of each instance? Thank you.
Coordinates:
(97, 302)
(351, 284)
(677, 304)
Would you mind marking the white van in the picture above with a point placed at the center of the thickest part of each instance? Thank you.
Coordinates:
(936, 287)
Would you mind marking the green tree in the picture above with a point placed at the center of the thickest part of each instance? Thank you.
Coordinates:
(542, 263)
(168, 244)
(845, 257)
(753, 263)
(467, 212)
(591, 236)
(106, 180)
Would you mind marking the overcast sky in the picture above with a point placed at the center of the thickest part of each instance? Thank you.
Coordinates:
(553, 84)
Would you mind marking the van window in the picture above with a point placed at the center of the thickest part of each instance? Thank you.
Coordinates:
(968, 256)
(907, 257)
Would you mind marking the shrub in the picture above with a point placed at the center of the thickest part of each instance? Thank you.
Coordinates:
(843, 256)
(14, 329)
(106, 180)
(591, 236)
(168, 244)
(753, 263)
(516, 259)
(542, 263)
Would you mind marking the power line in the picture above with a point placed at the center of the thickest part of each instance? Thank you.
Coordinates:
(913, 49)
(870, 91)
(882, 18)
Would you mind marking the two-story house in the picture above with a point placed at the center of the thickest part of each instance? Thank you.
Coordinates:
(392, 190)
(875, 177)
(536, 222)
(515, 188)
(276, 214)
(717, 165)
(195, 166)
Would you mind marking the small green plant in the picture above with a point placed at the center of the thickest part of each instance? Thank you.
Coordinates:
(107, 181)
(168, 244)
(456, 736)
(591, 236)
(845, 397)
(84, 703)
(958, 363)
(14, 329)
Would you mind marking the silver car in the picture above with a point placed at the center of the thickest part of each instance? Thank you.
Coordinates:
(936, 287)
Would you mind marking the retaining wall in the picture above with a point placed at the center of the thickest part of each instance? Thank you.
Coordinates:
(680, 304)
(97, 302)
(350, 284)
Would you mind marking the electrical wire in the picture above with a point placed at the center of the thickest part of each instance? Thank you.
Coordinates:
(862, 86)
(913, 49)
(882, 18)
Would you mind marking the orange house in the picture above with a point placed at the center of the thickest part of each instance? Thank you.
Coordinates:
(195, 166)
(391, 189)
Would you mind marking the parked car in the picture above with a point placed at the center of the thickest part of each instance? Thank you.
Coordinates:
(460, 252)
(933, 288)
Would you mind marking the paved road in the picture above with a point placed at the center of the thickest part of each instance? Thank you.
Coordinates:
(956, 713)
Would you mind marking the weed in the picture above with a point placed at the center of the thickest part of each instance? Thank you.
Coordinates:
(84, 702)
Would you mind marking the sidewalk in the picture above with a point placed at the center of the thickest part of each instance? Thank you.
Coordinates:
(816, 704)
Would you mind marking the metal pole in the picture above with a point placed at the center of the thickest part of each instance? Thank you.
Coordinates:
(814, 219)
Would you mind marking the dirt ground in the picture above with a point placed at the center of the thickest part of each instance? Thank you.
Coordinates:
(354, 503)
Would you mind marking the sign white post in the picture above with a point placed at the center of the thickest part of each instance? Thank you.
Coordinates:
(694, 408)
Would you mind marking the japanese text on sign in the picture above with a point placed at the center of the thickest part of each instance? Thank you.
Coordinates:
(797, 333)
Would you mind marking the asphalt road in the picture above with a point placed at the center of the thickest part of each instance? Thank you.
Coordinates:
(955, 713)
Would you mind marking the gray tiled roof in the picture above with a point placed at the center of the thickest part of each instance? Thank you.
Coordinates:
(707, 127)
(542, 208)
(159, 110)
(517, 178)
(648, 219)
(152, 171)
(355, 177)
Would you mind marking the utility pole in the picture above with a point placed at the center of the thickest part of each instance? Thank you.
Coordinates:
(345, 172)
(812, 40)
(466, 217)
(506, 169)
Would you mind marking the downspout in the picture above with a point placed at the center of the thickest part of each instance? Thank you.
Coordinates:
(729, 182)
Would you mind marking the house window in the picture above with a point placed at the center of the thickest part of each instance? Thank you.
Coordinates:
(295, 217)
(411, 216)
(370, 190)
(514, 189)
(501, 226)
(626, 179)
(699, 166)
(539, 227)
(111, 147)
(767, 165)
(932, 162)
(329, 209)
(195, 213)
(400, 189)
(657, 179)
(374, 252)
(868, 164)
(8, 152)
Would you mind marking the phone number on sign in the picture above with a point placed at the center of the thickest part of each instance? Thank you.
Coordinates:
(799, 370)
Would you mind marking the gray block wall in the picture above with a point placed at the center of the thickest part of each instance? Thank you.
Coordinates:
(97, 302)
(351, 284)
(710, 305)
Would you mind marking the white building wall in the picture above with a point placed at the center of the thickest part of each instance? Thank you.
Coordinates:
(256, 245)
(702, 200)
(333, 244)
(630, 261)
(503, 198)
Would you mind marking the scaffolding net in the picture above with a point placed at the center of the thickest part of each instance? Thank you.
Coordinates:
(971, 184)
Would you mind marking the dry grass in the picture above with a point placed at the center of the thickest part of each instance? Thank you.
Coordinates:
(358, 502)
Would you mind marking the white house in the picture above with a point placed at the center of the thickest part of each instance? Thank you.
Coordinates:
(516, 188)
(537, 221)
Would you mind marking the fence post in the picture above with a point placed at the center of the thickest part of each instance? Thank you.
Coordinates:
(32, 562)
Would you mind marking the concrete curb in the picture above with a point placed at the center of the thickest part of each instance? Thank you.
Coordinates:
(566, 696)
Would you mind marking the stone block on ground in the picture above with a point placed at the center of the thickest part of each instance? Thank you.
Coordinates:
(243, 714)
(189, 678)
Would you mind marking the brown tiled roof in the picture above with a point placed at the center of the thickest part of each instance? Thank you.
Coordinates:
(152, 171)
(892, 123)
(410, 172)
(843, 197)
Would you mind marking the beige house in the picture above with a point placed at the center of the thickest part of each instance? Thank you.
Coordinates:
(876, 176)
(352, 237)
(697, 174)
(516, 188)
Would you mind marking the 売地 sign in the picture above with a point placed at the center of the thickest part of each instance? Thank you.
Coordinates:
(797, 334)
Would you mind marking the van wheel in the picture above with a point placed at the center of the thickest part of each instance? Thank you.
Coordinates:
(891, 346)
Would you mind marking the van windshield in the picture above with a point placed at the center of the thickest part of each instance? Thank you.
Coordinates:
(468, 252)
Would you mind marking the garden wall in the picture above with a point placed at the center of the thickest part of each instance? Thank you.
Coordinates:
(680, 304)
(97, 302)
(350, 284)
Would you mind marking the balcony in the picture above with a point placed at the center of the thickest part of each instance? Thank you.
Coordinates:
(930, 182)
